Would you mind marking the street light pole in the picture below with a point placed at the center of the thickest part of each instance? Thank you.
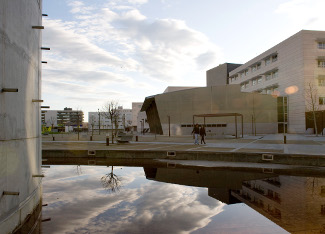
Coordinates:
(98, 121)
(142, 126)
(168, 125)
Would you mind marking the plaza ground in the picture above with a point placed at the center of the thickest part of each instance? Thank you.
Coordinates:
(273, 143)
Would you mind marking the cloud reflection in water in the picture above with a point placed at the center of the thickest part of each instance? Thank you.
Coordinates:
(79, 204)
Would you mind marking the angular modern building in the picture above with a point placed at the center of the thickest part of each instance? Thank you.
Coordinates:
(279, 83)
(224, 109)
(20, 117)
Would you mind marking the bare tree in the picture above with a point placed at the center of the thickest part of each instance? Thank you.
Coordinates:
(52, 122)
(111, 182)
(92, 123)
(111, 112)
(311, 96)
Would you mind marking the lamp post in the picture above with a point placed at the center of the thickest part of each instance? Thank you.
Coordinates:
(143, 126)
(168, 125)
(98, 122)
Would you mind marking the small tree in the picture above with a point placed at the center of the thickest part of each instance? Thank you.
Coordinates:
(92, 123)
(111, 112)
(311, 96)
(52, 122)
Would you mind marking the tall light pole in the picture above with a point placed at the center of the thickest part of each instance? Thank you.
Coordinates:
(98, 122)
(168, 125)
(142, 126)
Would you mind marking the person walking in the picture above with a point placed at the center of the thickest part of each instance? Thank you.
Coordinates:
(202, 134)
(196, 131)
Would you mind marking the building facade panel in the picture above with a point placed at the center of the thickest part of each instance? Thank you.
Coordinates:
(182, 105)
(20, 135)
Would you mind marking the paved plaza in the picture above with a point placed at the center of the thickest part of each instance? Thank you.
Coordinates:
(295, 144)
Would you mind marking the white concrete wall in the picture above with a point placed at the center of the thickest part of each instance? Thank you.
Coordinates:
(20, 122)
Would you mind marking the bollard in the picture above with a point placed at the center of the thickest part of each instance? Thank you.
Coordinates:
(53, 138)
(284, 139)
(107, 140)
(91, 138)
(136, 138)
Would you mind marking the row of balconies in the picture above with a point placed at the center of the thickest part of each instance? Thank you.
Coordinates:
(257, 66)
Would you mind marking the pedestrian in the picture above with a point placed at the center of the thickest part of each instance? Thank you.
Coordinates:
(196, 131)
(202, 134)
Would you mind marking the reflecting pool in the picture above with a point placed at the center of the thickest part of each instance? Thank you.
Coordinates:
(157, 198)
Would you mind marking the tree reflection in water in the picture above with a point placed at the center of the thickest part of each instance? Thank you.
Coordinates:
(111, 182)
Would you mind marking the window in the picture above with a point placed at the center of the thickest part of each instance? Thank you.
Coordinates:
(274, 58)
(321, 45)
(274, 74)
(271, 75)
(254, 82)
(321, 63)
(322, 209)
(321, 100)
(246, 72)
(259, 80)
(322, 190)
(268, 61)
(321, 82)
(242, 86)
(256, 67)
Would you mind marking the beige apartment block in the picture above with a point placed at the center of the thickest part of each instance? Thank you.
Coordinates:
(287, 69)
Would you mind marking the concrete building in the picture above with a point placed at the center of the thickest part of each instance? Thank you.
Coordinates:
(139, 119)
(286, 70)
(62, 118)
(177, 88)
(100, 120)
(173, 112)
(20, 117)
(219, 75)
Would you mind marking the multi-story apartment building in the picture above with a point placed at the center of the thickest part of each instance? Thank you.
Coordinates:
(65, 117)
(100, 120)
(286, 70)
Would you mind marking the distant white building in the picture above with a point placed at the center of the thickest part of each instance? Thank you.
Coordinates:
(100, 120)
(139, 119)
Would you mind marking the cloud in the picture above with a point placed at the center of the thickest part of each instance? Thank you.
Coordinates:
(153, 206)
(306, 14)
(115, 45)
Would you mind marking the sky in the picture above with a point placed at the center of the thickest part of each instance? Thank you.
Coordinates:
(126, 50)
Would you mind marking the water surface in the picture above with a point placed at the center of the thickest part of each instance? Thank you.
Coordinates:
(119, 199)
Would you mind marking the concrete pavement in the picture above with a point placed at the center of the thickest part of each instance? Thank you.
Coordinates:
(272, 143)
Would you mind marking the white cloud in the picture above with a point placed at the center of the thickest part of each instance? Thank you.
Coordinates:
(116, 44)
(305, 14)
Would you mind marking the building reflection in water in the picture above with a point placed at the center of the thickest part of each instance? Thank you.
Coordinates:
(294, 202)
(297, 204)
